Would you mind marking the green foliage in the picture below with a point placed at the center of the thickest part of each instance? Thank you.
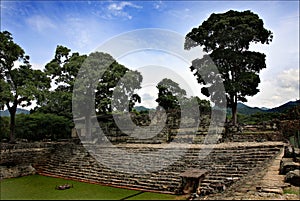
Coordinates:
(172, 98)
(62, 69)
(227, 37)
(4, 127)
(290, 124)
(204, 106)
(291, 113)
(118, 84)
(232, 29)
(256, 118)
(169, 94)
(10, 52)
(20, 85)
(56, 102)
(40, 126)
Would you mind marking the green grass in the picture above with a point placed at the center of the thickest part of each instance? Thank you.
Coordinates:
(37, 187)
(291, 190)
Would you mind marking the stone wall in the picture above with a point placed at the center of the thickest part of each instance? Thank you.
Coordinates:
(173, 124)
(290, 166)
(20, 158)
(186, 129)
(258, 136)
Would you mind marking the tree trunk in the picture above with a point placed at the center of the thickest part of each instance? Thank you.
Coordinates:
(12, 110)
(234, 112)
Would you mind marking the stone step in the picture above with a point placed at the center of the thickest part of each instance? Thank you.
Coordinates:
(222, 164)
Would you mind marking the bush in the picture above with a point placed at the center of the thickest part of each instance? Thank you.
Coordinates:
(40, 126)
(256, 118)
(4, 127)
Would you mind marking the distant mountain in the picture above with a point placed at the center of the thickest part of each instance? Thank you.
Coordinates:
(141, 108)
(5, 113)
(246, 110)
(264, 108)
(285, 107)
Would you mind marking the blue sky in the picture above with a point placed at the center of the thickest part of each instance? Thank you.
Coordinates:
(39, 26)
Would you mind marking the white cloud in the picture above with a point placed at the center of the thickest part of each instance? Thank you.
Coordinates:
(147, 96)
(122, 5)
(80, 32)
(280, 80)
(117, 9)
(159, 5)
(278, 90)
(289, 80)
(40, 23)
(37, 66)
(34, 66)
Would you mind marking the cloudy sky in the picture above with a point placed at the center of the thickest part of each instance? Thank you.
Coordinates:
(83, 26)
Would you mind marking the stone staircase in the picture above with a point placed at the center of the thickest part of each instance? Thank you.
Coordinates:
(225, 164)
(257, 136)
(230, 165)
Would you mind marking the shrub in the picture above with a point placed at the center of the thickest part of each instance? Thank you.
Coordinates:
(40, 126)
(4, 128)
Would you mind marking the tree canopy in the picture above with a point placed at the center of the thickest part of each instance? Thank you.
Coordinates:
(62, 69)
(169, 94)
(20, 84)
(226, 38)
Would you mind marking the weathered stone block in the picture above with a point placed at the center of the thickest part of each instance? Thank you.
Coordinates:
(288, 152)
(287, 164)
(16, 171)
(272, 190)
(293, 177)
(297, 152)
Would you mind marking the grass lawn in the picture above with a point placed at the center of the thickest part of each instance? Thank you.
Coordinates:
(292, 190)
(37, 187)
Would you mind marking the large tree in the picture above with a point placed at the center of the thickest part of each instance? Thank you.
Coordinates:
(20, 84)
(119, 83)
(62, 69)
(99, 78)
(226, 38)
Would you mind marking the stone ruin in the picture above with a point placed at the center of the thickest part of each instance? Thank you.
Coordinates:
(290, 165)
(173, 125)
(233, 157)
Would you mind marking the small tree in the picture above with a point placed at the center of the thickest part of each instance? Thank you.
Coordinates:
(169, 94)
(19, 84)
(227, 37)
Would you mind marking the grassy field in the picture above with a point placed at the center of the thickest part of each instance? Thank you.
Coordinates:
(36, 187)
